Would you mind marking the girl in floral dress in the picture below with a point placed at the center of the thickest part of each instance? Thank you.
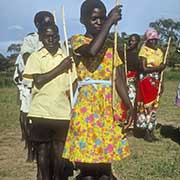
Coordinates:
(94, 139)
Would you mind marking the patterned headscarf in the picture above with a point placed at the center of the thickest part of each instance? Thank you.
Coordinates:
(151, 34)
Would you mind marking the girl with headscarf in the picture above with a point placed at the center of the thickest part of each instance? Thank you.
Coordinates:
(151, 65)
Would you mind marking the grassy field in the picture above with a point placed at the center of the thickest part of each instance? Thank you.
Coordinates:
(148, 161)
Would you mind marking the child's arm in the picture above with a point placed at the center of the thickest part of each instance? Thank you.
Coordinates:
(93, 48)
(122, 91)
(41, 79)
(122, 88)
(145, 69)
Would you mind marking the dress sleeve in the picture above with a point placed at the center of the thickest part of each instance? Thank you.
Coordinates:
(78, 41)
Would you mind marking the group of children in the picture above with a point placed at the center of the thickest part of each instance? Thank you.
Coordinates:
(89, 133)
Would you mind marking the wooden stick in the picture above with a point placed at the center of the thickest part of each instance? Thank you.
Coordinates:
(125, 62)
(161, 76)
(114, 60)
(67, 53)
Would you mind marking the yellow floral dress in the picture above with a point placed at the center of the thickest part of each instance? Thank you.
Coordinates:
(94, 136)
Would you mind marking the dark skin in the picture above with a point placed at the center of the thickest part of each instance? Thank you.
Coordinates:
(97, 27)
(46, 20)
(133, 43)
(50, 40)
(132, 46)
(143, 62)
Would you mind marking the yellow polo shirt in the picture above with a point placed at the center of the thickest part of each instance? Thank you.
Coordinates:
(50, 101)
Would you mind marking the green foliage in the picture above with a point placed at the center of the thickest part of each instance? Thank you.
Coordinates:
(6, 79)
(172, 74)
(168, 28)
(4, 63)
(14, 48)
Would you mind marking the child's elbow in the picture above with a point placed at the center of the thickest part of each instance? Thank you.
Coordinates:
(38, 83)
(92, 54)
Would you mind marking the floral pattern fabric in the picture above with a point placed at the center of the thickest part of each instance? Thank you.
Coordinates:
(94, 136)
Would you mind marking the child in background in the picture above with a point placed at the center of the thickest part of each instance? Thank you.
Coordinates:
(132, 68)
(94, 139)
(151, 65)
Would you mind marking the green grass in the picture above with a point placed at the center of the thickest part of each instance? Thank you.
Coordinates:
(8, 108)
(172, 74)
(148, 161)
(6, 79)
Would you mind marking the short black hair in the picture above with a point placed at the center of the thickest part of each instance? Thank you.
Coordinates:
(43, 28)
(39, 17)
(88, 6)
(136, 36)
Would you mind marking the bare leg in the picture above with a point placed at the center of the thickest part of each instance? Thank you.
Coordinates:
(29, 143)
(43, 160)
(104, 172)
(22, 126)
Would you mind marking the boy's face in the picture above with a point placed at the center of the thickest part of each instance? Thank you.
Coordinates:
(95, 21)
(50, 39)
(133, 42)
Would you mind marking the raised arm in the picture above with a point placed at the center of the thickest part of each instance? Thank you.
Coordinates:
(93, 48)
(41, 79)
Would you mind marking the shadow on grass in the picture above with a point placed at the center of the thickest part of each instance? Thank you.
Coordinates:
(138, 132)
(168, 131)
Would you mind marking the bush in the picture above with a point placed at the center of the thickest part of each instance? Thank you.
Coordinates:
(172, 74)
(6, 80)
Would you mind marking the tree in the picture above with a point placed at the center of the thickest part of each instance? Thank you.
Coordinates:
(14, 49)
(166, 28)
(4, 63)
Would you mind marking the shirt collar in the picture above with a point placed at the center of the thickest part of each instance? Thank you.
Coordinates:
(44, 52)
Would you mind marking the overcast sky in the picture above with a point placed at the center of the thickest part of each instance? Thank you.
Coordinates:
(16, 16)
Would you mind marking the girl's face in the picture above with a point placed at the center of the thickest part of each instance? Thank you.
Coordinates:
(94, 22)
(152, 43)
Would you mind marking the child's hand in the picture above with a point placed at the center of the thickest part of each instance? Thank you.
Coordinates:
(66, 64)
(115, 14)
(162, 66)
(130, 114)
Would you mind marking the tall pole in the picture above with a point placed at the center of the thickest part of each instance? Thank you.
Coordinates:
(125, 62)
(67, 52)
(161, 76)
(114, 60)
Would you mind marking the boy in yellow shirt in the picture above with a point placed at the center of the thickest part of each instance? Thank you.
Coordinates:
(49, 112)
